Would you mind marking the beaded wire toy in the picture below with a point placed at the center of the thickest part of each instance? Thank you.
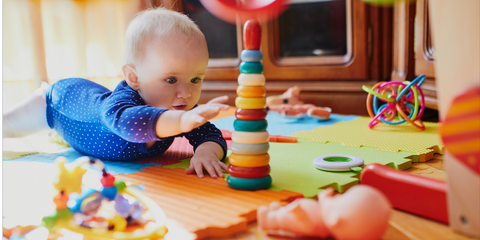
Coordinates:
(111, 210)
(402, 102)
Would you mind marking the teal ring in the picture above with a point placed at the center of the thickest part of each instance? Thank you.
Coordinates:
(251, 56)
(249, 149)
(249, 183)
(251, 67)
(250, 126)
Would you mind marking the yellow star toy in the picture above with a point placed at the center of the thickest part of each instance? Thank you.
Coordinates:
(68, 180)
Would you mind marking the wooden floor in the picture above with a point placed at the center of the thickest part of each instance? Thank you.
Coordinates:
(402, 225)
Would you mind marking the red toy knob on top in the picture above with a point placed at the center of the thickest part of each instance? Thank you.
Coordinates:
(252, 35)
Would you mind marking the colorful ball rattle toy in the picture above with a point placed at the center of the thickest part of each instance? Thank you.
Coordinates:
(113, 209)
(402, 102)
(228, 10)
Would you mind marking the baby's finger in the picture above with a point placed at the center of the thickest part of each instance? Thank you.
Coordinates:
(223, 166)
(222, 99)
(190, 169)
(210, 169)
(218, 169)
(199, 170)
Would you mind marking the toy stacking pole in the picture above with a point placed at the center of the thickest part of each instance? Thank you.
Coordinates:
(249, 167)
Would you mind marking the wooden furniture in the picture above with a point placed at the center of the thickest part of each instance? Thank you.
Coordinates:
(338, 85)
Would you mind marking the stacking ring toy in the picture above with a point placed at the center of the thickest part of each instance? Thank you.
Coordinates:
(251, 67)
(251, 79)
(338, 163)
(248, 172)
(396, 98)
(249, 160)
(250, 137)
(250, 126)
(251, 91)
(251, 56)
(228, 10)
(250, 103)
(249, 183)
(249, 149)
(251, 114)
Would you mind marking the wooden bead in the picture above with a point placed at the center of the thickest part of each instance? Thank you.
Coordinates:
(252, 35)
(250, 137)
(251, 67)
(251, 56)
(251, 114)
(248, 172)
(250, 126)
(249, 149)
(249, 160)
(250, 103)
(251, 79)
(251, 91)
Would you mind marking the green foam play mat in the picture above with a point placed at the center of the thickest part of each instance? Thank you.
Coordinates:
(292, 165)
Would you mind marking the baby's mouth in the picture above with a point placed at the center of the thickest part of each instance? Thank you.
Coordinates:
(179, 107)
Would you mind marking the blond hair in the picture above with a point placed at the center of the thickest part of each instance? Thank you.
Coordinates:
(154, 23)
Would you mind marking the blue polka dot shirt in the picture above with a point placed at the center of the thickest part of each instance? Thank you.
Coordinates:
(113, 125)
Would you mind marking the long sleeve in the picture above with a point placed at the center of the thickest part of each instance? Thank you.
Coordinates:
(125, 114)
(207, 133)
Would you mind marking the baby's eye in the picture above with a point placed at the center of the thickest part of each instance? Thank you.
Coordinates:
(196, 80)
(171, 80)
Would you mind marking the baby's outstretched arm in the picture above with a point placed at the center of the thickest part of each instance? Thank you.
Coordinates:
(175, 122)
(207, 156)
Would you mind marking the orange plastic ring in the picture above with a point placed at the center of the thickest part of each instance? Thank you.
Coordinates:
(251, 91)
(249, 160)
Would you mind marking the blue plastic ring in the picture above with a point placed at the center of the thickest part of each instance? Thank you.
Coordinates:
(251, 56)
(249, 183)
(251, 67)
(250, 126)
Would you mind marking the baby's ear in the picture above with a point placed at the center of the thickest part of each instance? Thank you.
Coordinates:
(130, 76)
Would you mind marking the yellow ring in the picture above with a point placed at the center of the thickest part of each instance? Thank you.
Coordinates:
(249, 160)
(251, 91)
(250, 137)
(248, 79)
(250, 103)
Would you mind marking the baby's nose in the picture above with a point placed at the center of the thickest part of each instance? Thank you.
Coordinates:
(183, 92)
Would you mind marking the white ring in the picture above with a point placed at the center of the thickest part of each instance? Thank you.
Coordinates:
(246, 79)
(337, 166)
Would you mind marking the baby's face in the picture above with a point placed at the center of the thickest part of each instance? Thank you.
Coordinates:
(172, 72)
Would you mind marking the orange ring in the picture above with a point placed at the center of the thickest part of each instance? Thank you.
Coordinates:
(421, 126)
(249, 160)
(251, 91)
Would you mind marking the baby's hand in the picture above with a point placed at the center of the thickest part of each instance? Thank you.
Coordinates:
(206, 158)
(201, 114)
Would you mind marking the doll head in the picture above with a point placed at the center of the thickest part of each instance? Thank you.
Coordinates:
(362, 212)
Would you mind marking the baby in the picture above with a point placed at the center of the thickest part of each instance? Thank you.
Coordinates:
(166, 59)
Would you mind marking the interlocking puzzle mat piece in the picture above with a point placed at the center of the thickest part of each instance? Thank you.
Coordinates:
(180, 149)
(279, 125)
(207, 207)
(17, 147)
(391, 138)
(117, 167)
(292, 168)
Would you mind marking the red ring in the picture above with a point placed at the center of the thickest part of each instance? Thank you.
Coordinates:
(248, 172)
(251, 114)
(227, 10)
